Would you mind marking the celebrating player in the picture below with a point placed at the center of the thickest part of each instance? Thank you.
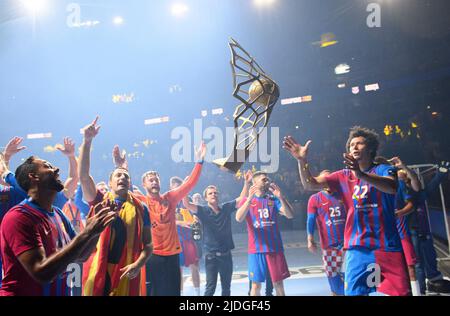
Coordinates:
(374, 259)
(265, 249)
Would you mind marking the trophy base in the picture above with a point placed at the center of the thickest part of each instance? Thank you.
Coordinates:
(233, 163)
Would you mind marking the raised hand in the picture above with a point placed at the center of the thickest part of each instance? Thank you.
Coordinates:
(275, 189)
(91, 130)
(252, 192)
(297, 151)
(13, 147)
(200, 152)
(397, 163)
(352, 164)
(3, 167)
(68, 149)
(119, 158)
(104, 214)
(248, 176)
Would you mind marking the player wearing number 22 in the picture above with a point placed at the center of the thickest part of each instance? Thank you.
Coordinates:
(374, 260)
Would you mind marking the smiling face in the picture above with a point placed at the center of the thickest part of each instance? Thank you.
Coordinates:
(151, 183)
(119, 182)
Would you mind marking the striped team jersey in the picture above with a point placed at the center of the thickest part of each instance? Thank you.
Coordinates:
(262, 225)
(28, 227)
(184, 215)
(11, 195)
(403, 195)
(371, 221)
(328, 211)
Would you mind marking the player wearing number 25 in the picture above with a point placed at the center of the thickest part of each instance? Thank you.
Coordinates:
(265, 247)
(328, 211)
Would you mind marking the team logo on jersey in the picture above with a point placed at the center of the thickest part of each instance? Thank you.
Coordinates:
(256, 225)
(328, 223)
(270, 203)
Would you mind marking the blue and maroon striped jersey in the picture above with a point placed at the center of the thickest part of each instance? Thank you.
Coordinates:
(26, 227)
(403, 195)
(262, 225)
(371, 221)
(328, 211)
(184, 233)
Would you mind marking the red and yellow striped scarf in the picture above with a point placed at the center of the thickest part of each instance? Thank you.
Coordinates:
(119, 245)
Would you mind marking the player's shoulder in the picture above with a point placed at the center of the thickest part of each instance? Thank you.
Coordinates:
(315, 197)
(340, 173)
(384, 169)
(17, 214)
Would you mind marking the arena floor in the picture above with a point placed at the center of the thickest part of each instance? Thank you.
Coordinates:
(307, 275)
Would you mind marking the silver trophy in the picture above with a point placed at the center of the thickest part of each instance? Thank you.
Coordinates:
(258, 94)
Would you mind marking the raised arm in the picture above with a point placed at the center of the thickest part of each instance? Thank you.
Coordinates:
(190, 206)
(415, 182)
(86, 180)
(119, 158)
(12, 148)
(286, 209)
(78, 200)
(243, 210)
(300, 153)
(68, 150)
(187, 186)
(247, 183)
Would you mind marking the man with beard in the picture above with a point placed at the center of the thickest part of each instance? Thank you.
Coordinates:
(163, 268)
(37, 240)
(374, 259)
(114, 268)
(265, 248)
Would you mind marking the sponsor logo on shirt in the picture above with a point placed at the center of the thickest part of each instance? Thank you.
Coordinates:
(367, 206)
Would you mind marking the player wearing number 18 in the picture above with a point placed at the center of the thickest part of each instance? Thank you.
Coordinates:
(374, 259)
(265, 248)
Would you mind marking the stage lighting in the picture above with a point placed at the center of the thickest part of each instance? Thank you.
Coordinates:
(263, 3)
(179, 9)
(39, 136)
(118, 20)
(34, 7)
(342, 69)
(156, 121)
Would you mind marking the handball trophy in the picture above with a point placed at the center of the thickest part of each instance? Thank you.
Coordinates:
(258, 95)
